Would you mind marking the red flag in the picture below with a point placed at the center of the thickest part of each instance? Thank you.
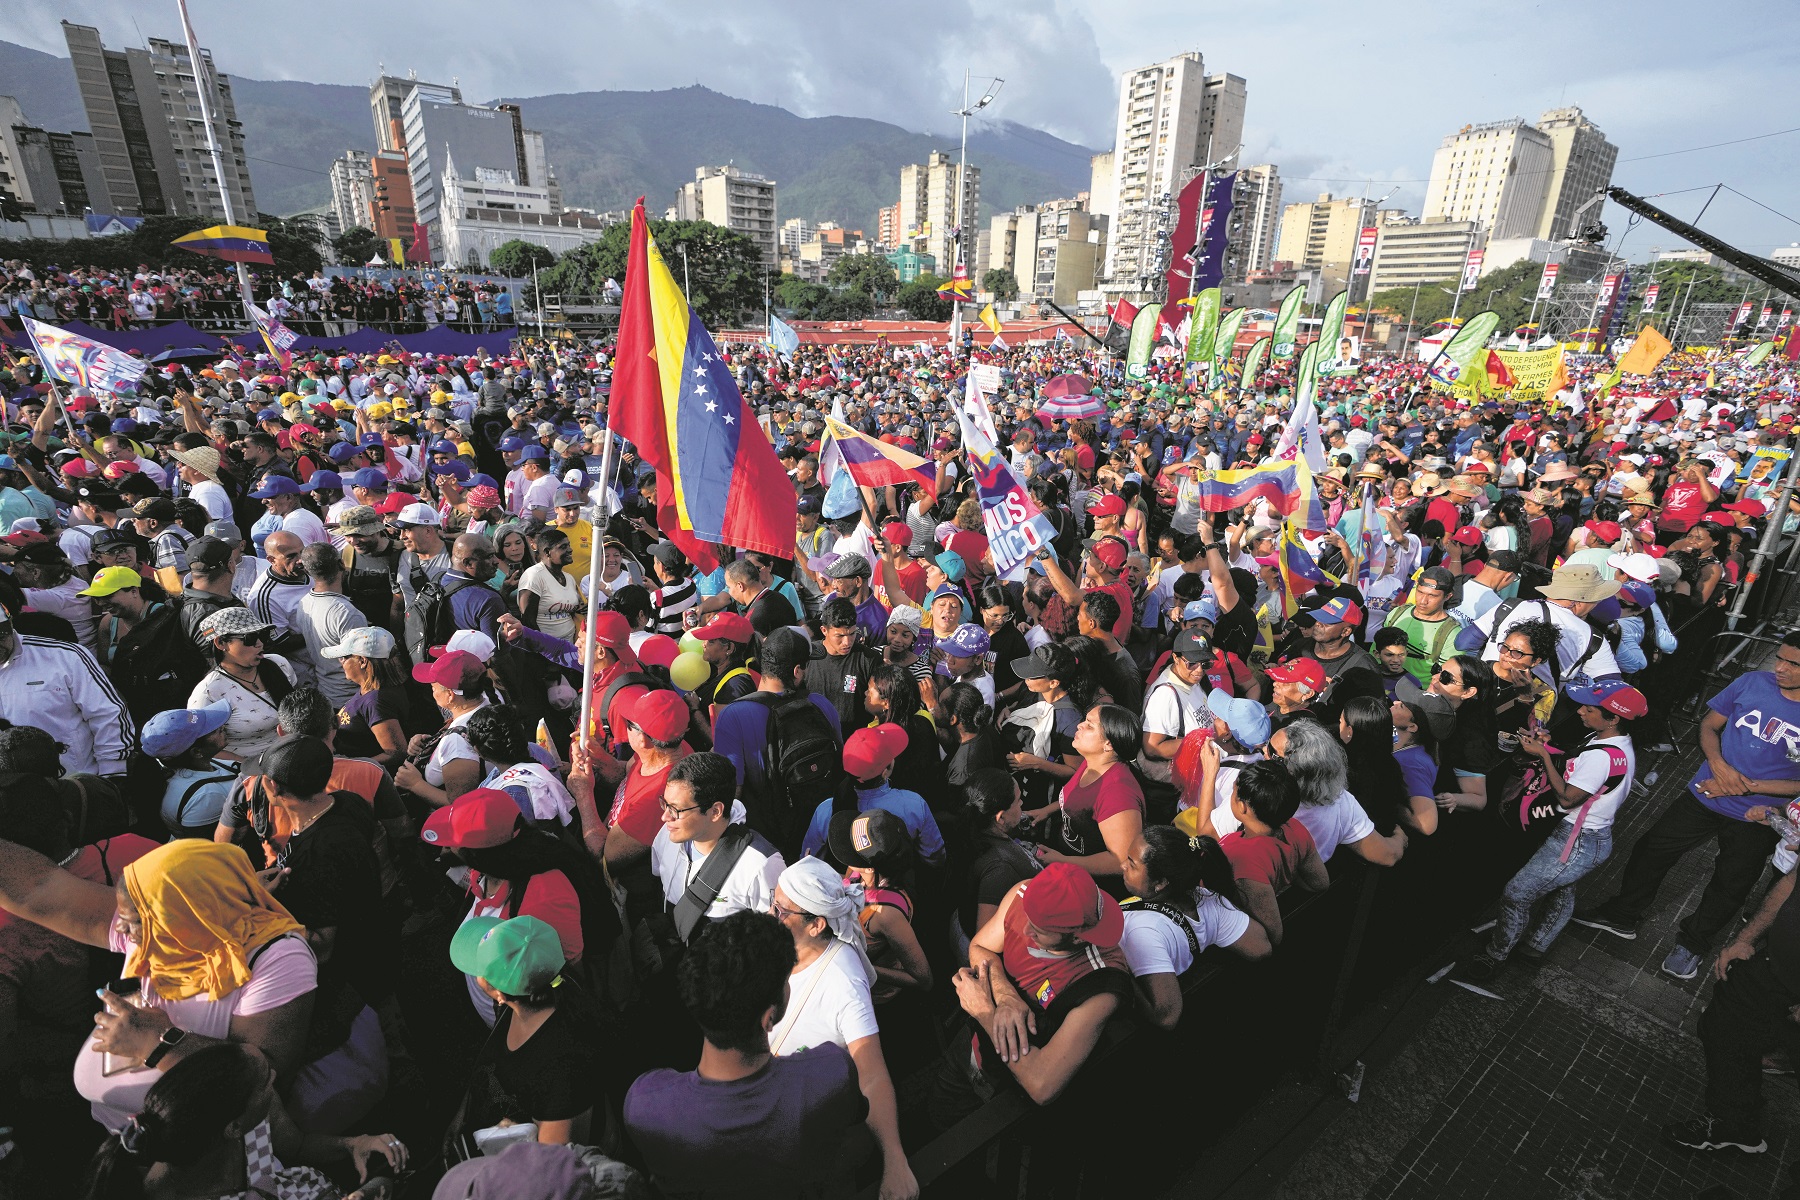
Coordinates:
(420, 250)
(1499, 374)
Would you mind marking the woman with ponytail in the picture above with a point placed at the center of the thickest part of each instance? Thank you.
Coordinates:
(213, 1127)
(1184, 899)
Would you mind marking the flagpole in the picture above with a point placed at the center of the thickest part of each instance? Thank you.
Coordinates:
(203, 88)
(596, 553)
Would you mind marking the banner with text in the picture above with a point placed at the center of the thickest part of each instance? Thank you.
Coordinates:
(1016, 530)
(1547, 281)
(1365, 251)
(1532, 370)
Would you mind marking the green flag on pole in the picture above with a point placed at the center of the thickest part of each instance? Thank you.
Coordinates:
(1253, 363)
(1226, 339)
(1143, 341)
(1203, 326)
(1287, 324)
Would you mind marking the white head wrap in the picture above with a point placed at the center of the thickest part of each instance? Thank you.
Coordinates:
(817, 889)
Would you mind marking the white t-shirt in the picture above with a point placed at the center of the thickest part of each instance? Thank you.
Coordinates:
(1176, 709)
(837, 1009)
(304, 524)
(1331, 825)
(452, 746)
(750, 886)
(251, 729)
(539, 493)
(557, 602)
(1573, 636)
(1588, 772)
(213, 498)
(1154, 946)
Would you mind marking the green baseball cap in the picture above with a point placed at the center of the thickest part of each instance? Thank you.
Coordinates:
(519, 957)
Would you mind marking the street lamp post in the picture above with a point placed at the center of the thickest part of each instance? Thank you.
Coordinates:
(686, 292)
(1406, 340)
(962, 170)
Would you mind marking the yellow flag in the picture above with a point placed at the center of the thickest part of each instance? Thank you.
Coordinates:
(1559, 377)
(1649, 349)
(990, 320)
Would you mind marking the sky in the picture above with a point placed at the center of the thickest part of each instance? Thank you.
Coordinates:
(1341, 97)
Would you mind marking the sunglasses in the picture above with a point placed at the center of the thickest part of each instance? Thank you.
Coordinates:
(1447, 677)
(248, 639)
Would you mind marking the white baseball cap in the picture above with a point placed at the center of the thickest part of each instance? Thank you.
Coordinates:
(418, 514)
(469, 641)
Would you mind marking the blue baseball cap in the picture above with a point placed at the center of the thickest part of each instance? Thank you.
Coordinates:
(952, 565)
(125, 425)
(1247, 719)
(373, 478)
(511, 441)
(276, 485)
(343, 452)
(1338, 609)
(1203, 609)
(267, 414)
(459, 469)
(967, 641)
(534, 452)
(324, 479)
(172, 731)
(444, 446)
(373, 439)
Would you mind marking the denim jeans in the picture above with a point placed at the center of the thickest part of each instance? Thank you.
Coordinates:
(1544, 878)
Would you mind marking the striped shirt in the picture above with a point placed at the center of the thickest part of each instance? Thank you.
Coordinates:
(671, 602)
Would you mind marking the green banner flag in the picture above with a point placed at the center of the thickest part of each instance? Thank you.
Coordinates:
(1462, 348)
(1226, 339)
(1143, 341)
(1758, 353)
(1203, 326)
(1306, 375)
(1253, 363)
(1287, 324)
(1331, 331)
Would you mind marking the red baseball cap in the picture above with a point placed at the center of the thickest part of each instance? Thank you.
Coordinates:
(871, 750)
(450, 670)
(1606, 531)
(897, 532)
(1468, 535)
(1063, 898)
(1750, 508)
(663, 716)
(77, 468)
(613, 630)
(474, 820)
(1300, 670)
(1111, 553)
(1106, 506)
(731, 626)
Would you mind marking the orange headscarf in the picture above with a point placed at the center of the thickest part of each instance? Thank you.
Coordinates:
(204, 912)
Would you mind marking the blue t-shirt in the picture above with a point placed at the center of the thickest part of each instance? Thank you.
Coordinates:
(1418, 769)
(193, 799)
(741, 733)
(1762, 728)
(910, 807)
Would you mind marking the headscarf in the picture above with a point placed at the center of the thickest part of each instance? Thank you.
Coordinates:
(907, 615)
(204, 912)
(821, 891)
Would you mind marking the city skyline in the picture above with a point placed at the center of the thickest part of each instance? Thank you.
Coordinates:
(1317, 108)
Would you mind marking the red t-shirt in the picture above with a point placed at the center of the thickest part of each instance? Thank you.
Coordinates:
(1271, 860)
(912, 578)
(549, 897)
(971, 546)
(1682, 504)
(1041, 977)
(1085, 806)
(1121, 591)
(1445, 513)
(638, 809)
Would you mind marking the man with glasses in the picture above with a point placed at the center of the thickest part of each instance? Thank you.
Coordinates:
(152, 661)
(702, 816)
(1751, 739)
(59, 687)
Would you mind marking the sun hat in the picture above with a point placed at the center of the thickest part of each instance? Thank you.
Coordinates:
(1579, 582)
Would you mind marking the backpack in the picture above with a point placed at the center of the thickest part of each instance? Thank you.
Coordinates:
(1535, 808)
(436, 620)
(1595, 639)
(802, 764)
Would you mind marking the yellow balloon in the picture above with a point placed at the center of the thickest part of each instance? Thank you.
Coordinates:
(689, 671)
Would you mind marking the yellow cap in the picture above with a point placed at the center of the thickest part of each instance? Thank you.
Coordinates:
(342, 405)
(112, 579)
(380, 408)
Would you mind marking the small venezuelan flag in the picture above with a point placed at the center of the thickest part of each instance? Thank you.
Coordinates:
(873, 463)
(233, 243)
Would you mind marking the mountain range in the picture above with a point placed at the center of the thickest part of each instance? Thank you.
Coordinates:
(607, 148)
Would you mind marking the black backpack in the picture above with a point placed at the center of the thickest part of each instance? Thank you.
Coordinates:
(436, 621)
(803, 766)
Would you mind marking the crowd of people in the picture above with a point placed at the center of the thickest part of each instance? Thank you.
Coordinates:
(208, 296)
(291, 679)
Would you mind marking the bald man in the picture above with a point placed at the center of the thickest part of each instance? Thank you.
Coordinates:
(276, 599)
(473, 603)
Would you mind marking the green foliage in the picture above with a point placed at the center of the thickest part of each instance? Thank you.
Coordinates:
(843, 306)
(1507, 292)
(724, 270)
(296, 242)
(869, 276)
(516, 258)
(357, 245)
(1710, 286)
(920, 301)
(1000, 282)
(798, 298)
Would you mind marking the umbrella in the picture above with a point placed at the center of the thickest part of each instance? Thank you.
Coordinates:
(1070, 408)
(184, 352)
(1066, 386)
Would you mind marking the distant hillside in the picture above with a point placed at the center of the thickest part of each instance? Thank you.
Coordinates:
(608, 148)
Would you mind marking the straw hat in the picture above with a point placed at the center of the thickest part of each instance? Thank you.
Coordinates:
(1429, 484)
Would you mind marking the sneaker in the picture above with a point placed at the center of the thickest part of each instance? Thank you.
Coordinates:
(1662, 748)
(1682, 963)
(1480, 968)
(1531, 955)
(1707, 1133)
(1600, 919)
(1777, 1063)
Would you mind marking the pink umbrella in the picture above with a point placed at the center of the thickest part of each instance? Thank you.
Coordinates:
(1067, 398)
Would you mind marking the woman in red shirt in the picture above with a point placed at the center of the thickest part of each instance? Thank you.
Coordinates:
(1100, 812)
(1686, 497)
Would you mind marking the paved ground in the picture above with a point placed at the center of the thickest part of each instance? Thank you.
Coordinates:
(1556, 1089)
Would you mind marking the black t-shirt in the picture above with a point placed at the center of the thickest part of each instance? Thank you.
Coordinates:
(358, 718)
(554, 1076)
(999, 864)
(1007, 645)
(771, 611)
(334, 881)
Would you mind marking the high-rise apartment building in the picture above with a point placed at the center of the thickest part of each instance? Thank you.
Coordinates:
(387, 99)
(353, 190)
(795, 233)
(933, 207)
(1581, 164)
(1053, 249)
(736, 200)
(1103, 191)
(1411, 253)
(392, 196)
(143, 107)
(1256, 221)
(1173, 118)
(1321, 235)
(887, 226)
(1495, 174)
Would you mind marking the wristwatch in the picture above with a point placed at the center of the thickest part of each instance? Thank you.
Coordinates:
(170, 1039)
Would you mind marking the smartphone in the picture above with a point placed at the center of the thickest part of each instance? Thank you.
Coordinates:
(127, 990)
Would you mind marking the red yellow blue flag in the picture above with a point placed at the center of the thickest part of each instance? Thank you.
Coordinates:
(233, 243)
(874, 463)
(675, 400)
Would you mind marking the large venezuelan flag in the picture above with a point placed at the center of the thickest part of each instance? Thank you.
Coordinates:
(874, 463)
(674, 399)
(1284, 485)
(233, 243)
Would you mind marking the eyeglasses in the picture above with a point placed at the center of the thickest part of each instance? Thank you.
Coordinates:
(782, 912)
(1447, 677)
(669, 811)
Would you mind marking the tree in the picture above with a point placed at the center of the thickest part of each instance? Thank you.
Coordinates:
(920, 301)
(298, 243)
(1001, 283)
(799, 298)
(357, 245)
(868, 275)
(724, 270)
(1710, 285)
(843, 306)
(517, 257)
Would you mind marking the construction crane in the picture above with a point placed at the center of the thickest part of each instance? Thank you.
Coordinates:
(1750, 264)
